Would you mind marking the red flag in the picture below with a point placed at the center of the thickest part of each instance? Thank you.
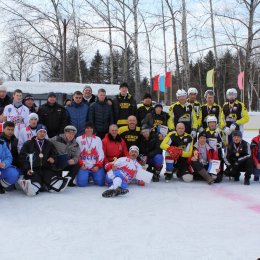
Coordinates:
(156, 83)
(168, 79)
(240, 80)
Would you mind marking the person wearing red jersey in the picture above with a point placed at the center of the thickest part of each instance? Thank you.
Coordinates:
(91, 158)
(121, 172)
(113, 145)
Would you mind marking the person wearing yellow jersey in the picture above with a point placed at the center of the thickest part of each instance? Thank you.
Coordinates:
(131, 132)
(178, 146)
(124, 105)
(210, 108)
(192, 99)
(234, 113)
(182, 112)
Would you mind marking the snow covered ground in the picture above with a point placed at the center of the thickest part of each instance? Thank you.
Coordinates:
(173, 220)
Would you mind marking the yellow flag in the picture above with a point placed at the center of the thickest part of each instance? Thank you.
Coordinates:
(210, 78)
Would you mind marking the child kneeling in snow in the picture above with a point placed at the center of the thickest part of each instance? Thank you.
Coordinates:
(121, 172)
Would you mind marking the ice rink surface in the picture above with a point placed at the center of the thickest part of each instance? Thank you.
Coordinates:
(173, 220)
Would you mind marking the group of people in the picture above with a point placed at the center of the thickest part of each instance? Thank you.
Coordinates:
(96, 140)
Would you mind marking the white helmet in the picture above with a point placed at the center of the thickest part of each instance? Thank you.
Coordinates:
(211, 119)
(181, 93)
(192, 91)
(231, 92)
(209, 92)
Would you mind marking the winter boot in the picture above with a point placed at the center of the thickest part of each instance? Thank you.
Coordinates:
(246, 181)
(28, 187)
(156, 176)
(121, 191)
(236, 178)
(219, 178)
(205, 175)
(256, 178)
(2, 190)
(168, 176)
(109, 193)
(114, 192)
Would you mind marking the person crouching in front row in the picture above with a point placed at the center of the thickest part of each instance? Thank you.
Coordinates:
(238, 158)
(91, 158)
(151, 152)
(200, 159)
(37, 159)
(178, 146)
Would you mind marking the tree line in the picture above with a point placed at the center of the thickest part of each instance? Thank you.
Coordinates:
(141, 38)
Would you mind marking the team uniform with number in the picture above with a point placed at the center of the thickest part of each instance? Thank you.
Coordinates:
(19, 116)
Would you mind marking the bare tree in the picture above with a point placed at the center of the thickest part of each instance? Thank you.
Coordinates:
(20, 58)
(44, 29)
(175, 42)
(246, 21)
(185, 52)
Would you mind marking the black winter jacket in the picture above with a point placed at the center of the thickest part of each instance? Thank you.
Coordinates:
(123, 107)
(4, 102)
(53, 117)
(150, 147)
(101, 115)
(31, 147)
(237, 154)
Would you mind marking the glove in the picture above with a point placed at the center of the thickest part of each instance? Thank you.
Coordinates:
(201, 129)
(219, 145)
(233, 127)
(142, 159)
(175, 152)
(227, 130)
(140, 183)
(217, 131)
(193, 134)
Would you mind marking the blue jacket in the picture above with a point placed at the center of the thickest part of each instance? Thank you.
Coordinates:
(5, 154)
(78, 116)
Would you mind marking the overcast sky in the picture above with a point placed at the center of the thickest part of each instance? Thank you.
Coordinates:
(199, 32)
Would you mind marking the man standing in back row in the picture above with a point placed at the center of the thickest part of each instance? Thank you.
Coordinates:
(124, 105)
(53, 116)
(101, 114)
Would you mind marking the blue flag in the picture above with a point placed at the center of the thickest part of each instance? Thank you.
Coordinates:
(162, 83)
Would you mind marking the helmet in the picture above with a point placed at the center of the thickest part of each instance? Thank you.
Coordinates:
(231, 92)
(211, 119)
(192, 91)
(209, 93)
(181, 93)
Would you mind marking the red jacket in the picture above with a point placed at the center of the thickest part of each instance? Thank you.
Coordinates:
(254, 148)
(113, 148)
(211, 154)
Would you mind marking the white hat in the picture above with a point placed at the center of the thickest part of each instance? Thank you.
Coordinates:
(3, 88)
(33, 115)
(134, 148)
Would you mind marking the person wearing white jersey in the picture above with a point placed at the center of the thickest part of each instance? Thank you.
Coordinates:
(29, 131)
(91, 158)
(121, 172)
(17, 112)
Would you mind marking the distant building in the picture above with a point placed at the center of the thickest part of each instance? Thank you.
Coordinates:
(63, 91)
